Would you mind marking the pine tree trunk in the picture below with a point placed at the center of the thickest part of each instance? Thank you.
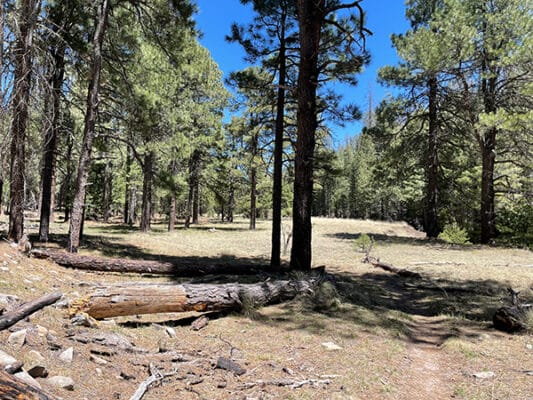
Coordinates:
(172, 212)
(253, 182)
(277, 184)
(231, 202)
(488, 155)
(488, 215)
(432, 167)
(50, 143)
(196, 201)
(310, 21)
(128, 218)
(194, 177)
(108, 191)
(253, 198)
(90, 125)
(28, 11)
(147, 191)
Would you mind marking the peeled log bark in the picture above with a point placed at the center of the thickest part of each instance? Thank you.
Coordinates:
(14, 389)
(108, 264)
(141, 298)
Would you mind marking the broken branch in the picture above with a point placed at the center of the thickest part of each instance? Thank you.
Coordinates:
(21, 312)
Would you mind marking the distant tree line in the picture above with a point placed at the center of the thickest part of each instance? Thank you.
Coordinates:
(455, 145)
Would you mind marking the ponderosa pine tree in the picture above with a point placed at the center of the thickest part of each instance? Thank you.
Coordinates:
(26, 19)
(63, 18)
(89, 131)
(425, 60)
(313, 18)
(492, 73)
(275, 21)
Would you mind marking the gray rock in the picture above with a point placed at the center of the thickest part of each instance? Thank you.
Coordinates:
(331, 346)
(67, 355)
(34, 355)
(42, 331)
(35, 364)
(6, 359)
(484, 375)
(171, 332)
(27, 378)
(18, 338)
(98, 360)
(63, 382)
(63, 303)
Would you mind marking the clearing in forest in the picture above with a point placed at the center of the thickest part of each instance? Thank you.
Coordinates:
(366, 334)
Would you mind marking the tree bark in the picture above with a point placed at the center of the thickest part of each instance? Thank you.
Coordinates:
(50, 140)
(127, 215)
(432, 164)
(310, 22)
(488, 146)
(108, 191)
(124, 265)
(196, 201)
(277, 184)
(10, 318)
(172, 212)
(90, 125)
(253, 181)
(12, 388)
(148, 173)
(28, 12)
(141, 298)
(172, 209)
(194, 177)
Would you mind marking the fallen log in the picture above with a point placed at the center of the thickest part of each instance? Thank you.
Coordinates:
(21, 312)
(12, 388)
(390, 268)
(509, 319)
(512, 318)
(124, 265)
(150, 298)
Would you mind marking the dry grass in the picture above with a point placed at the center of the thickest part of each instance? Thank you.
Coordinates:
(376, 318)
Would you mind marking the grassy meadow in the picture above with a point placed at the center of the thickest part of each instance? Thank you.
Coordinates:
(395, 338)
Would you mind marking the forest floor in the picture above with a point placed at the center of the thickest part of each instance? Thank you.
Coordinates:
(375, 336)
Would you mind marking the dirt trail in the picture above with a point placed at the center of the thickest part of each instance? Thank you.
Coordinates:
(427, 373)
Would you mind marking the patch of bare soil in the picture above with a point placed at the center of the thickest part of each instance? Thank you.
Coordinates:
(427, 371)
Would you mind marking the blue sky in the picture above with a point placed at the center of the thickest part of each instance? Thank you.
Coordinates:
(383, 18)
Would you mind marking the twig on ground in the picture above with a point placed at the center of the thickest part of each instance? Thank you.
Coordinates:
(155, 376)
(293, 384)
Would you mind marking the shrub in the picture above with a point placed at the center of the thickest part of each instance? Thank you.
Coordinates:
(454, 234)
(364, 243)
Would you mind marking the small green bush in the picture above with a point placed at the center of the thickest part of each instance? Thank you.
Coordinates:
(364, 243)
(454, 234)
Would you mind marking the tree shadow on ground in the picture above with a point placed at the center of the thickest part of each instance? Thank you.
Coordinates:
(369, 301)
(381, 301)
(159, 228)
(384, 239)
